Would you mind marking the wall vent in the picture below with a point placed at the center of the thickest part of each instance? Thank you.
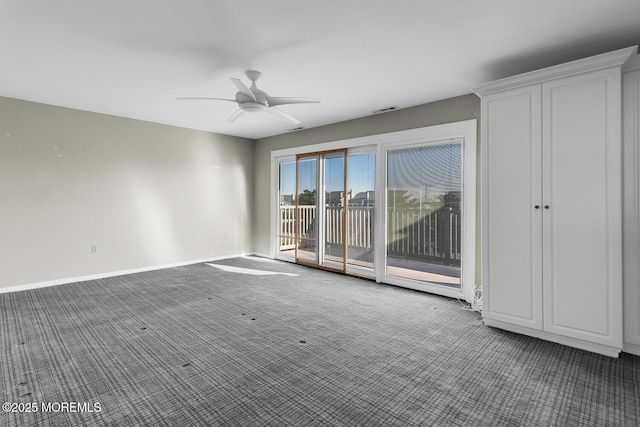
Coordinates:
(385, 110)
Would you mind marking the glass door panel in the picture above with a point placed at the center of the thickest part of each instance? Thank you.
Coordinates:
(335, 200)
(306, 209)
(360, 212)
(286, 209)
(424, 205)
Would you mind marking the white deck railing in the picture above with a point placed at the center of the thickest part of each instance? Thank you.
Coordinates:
(412, 233)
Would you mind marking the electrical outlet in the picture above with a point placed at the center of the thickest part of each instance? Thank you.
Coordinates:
(94, 248)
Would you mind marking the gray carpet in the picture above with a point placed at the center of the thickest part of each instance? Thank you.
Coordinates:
(197, 345)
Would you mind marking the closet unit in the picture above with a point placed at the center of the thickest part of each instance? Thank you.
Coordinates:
(552, 203)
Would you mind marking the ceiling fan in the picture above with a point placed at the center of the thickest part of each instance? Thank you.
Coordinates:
(252, 100)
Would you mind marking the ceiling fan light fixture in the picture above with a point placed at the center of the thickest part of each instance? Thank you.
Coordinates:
(252, 107)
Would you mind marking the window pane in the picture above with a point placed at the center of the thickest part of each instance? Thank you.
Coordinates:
(360, 219)
(307, 205)
(334, 210)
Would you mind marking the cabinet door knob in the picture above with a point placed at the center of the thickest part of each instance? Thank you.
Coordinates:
(537, 206)
(546, 206)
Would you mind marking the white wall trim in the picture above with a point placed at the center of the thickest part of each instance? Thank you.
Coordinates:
(443, 131)
(68, 280)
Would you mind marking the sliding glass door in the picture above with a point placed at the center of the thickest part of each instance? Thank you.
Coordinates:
(424, 213)
(331, 220)
(334, 211)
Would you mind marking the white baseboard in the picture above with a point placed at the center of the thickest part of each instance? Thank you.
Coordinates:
(109, 274)
(631, 348)
(258, 254)
(547, 336)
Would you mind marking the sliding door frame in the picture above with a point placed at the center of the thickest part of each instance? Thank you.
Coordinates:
(468, 192)
(353, 269)
(463, 130)
(321, 211)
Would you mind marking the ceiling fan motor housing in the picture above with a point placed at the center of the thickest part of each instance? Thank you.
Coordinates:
(251, 106)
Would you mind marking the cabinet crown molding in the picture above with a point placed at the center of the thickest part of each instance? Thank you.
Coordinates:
(632, 64)
(605, 60)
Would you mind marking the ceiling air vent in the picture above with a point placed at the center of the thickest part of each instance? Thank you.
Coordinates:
(385, 110)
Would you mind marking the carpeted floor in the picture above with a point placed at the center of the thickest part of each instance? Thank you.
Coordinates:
(203, 345)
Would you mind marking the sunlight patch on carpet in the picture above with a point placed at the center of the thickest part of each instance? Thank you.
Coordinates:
(261, 259)
(250, 271)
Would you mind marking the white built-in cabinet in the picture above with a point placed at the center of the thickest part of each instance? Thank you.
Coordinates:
(631, 197)
(552, 203)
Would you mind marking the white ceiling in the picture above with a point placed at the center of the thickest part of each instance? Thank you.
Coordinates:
(132, 58)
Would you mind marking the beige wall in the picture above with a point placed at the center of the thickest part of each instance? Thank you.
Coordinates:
(147, 194)
(446, 111)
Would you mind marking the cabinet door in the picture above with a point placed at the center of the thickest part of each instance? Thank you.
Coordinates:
(511, 149)
(582, 187)
(631, 227)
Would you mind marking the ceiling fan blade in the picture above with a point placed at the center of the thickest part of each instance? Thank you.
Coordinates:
(201, 98)
(283, 115)
(243, 88)
(235, 115)
(273, 101)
